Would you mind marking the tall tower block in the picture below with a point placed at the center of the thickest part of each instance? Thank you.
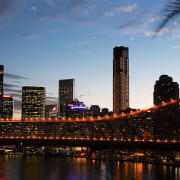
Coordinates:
(66, 94)
(33, 102)
(120, 79)
(1, 90)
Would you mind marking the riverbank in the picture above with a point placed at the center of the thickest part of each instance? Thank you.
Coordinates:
(127, 158)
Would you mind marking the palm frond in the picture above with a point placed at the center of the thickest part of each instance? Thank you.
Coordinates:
(170, 10)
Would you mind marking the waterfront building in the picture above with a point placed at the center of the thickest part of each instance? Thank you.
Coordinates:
(51, 111)
(165, 90)
(76, 109)
(66, 94)
(105, 111)
(95, 109)
(1, 90)
(33, 102)
(120, 79)
(8, 105)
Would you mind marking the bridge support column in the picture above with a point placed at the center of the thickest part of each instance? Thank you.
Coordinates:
(69, 150)
(89, 152)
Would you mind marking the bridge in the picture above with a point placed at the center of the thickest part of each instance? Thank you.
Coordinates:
(155, 128)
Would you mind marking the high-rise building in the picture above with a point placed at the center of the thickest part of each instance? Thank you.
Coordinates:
(33, 102)
(95, 110)
(1, 90)
(120, 79)
(51, 111)
(66, 94)
(8, 105)
(165, 90)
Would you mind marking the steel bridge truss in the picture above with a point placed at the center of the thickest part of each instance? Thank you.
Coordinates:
(159, 123)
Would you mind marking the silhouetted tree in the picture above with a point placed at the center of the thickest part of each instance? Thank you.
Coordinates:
(170, 11)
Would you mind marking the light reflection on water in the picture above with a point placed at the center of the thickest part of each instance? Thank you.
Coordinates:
(59, 168)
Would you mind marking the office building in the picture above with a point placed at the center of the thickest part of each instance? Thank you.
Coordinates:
(51, 111)
(8, 104)
(165, 90)
(95, 109)
(66, 94)
(1, 90)
(76, 109)
(120, 79)
(33, 102)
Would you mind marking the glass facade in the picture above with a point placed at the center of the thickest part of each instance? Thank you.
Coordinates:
(66, 94)
(1, 90)
(120, 79)
(8, 104)
(33, 102)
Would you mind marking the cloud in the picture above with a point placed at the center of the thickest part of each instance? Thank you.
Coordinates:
(34, 8)
(125, 9)
(14, 76)
(51, 3)
(5, 85)
(28, 36)
(81, 6)
(45, 10)
(54, 98)
(132, 27)
(157, 33)
(177, 45)
(132, 38)
(7, 7)
(138, 24)
(51, 100)
(118, 10)
(108, 14)
(15, 93)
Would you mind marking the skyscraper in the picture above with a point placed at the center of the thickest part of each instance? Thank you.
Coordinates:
(165, 90)
(120, 79)
(33, 102)
(66, 94)
(1, 90)
(8, 104)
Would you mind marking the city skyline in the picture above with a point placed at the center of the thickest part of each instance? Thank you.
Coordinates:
(45, 41)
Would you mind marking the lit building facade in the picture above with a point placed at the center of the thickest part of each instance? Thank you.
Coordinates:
(66, 94)
(50, 111)
(33, 102)
(1, 90)
(120, 79)
(8, 105)
(76, 109)
(165, 90)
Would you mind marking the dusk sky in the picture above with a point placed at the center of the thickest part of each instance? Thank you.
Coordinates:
(43, 41)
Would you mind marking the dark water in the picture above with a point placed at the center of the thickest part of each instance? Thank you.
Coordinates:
(59, 168)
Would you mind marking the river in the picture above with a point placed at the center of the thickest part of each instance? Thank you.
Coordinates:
(16, 167)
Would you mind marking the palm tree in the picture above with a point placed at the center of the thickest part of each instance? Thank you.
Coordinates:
(170, 11)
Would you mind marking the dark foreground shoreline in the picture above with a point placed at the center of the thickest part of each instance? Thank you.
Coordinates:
(110, 159)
